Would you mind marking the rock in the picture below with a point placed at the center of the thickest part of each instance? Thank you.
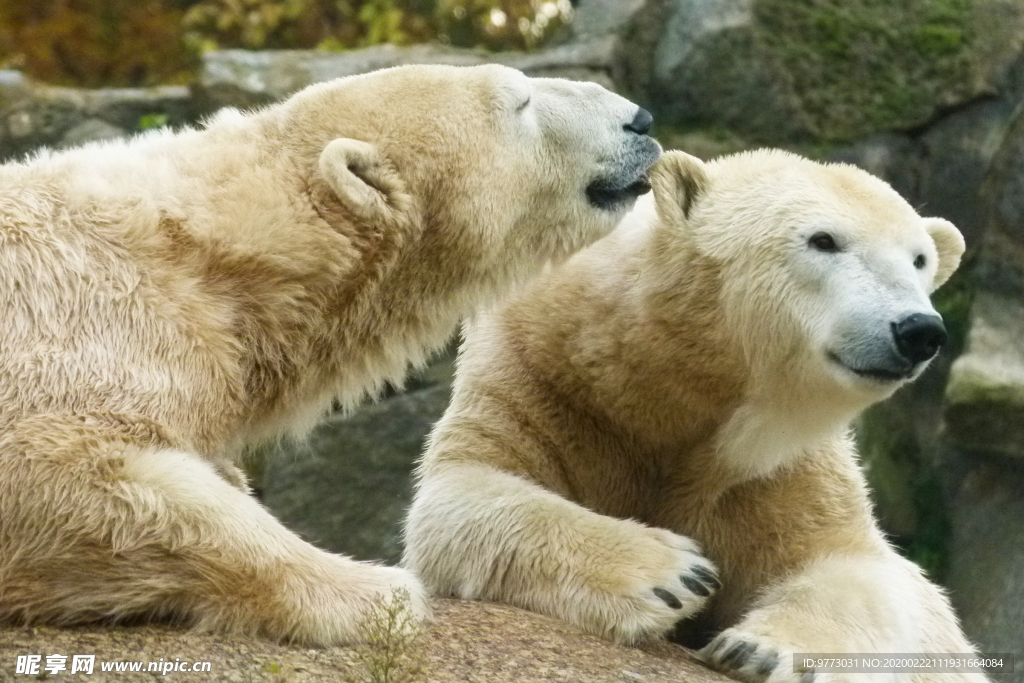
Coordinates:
(34, 115)
(705, 69)
(957, 153)
(348, 487)
(241, 78)
(90, 130)
(468, 642)
(986, 576)
(984, 420)
(985, 394)
(894, 157)
(1000, 266)
(600, 18)
(833, 70)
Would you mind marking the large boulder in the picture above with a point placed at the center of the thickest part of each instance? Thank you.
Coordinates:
(348, 486)
(983, 443)
(986, 573)
(833, 69)
(985, 395)
(469, 642)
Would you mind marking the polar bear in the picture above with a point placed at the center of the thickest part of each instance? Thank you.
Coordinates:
(171, 300)
(660, 426)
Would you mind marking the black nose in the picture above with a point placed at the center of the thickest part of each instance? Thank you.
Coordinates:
(919, 336)
(641, 123)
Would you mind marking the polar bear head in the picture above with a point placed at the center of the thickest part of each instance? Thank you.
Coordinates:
(824, 271)
(492, 172)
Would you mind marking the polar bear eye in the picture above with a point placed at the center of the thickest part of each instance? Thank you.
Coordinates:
(919, 262)
(822, 241)
(524, 105)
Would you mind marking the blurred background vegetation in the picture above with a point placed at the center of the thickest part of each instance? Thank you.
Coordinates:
(96, 43)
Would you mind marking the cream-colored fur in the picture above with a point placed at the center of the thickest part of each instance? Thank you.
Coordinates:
(686, 382)
(171, 300)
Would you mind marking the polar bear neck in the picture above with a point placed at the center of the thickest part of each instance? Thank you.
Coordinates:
(294, 316)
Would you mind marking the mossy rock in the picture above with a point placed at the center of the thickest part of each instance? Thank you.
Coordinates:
(863, 65)
(783, 70)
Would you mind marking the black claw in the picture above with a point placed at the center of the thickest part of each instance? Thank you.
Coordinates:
(738, 655)
(695, 586)
(670, 600)
(768, 664)
(707, 576)
(807, 677)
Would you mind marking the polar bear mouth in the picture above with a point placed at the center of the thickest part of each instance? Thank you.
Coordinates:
(605, 194)
(876, 374)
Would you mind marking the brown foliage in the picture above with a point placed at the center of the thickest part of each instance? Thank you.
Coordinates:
(94, 42)
(145, 42)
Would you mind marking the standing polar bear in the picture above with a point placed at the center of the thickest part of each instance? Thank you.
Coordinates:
(660, 426)
(170, 300)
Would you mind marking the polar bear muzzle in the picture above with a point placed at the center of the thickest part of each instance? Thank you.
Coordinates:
(630, 176)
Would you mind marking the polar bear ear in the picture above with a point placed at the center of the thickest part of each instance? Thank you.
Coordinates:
(679, 180)
(950, 245)
(362, 178)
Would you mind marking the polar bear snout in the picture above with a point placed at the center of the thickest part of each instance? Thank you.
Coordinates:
(628, 176)
(894, 355)
(641, 123)
(919, 336)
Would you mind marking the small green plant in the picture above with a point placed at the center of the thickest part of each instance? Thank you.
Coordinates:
(151, 121)
(392, 643)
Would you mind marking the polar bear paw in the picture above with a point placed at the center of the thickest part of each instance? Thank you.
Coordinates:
(753, 658)
(663, 580)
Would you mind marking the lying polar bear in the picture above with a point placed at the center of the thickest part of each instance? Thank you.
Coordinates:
(688, 383)
(170, 300)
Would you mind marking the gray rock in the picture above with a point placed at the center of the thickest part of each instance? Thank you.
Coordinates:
(957, 153)
(779, 70)
(35, 122)
(601, 18)
(348, 488)
(241, 78)
(90, 130)
(986, 574)
(34, 115)
(1000, 265)
(894, 157)
(127, 107)
(985, 394)
(707, 70)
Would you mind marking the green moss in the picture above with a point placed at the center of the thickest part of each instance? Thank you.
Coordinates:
(929, 547)
(151, 121)
(953, 302)
(862, 65)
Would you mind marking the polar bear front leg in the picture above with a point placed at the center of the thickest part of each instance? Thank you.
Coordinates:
(475, 531)
(151, 531)
(841, 604)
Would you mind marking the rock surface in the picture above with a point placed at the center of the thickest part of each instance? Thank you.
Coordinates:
(348, 488)
(33, 115)
(241, 78)
(985, 395)
(834, 69)
(983, 442)
(986, 577)
(469, 641)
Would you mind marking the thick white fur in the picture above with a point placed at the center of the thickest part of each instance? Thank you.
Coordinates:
(171, 300)
(677, 377)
